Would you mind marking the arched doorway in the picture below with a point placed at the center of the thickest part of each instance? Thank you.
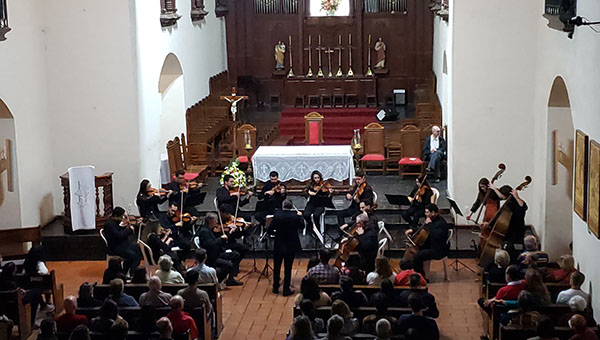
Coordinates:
(10, 205)
(171, 88)
(559, 184)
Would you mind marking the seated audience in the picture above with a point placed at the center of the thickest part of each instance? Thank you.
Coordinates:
(494, 272)
(67, 322)
(146, 323)
(383, 270)
(340, 308)
(381, 304)
(406, 270)
(80, 332)
(323, 272)
(308, 310)
(140, 275)
(534, 283)
(532, 256)
(383, 329)
(509, 292)
(155, 297)
(354, 298)
(352, 269)
(582, 332)
(165, 329)
(427, 300)
(166, 273)
(206, 274)
(192, 295)
(109, 312)
(301, 329)
(416, 325)
(576, 281)
(309, 289)
(312, 261)
(34, 264)
(181, 320)
(116, 289)
(563, 275)
(387, 291)
(335, 324)
(545, 329)
(8, 280)
(47, 331)
(85, 299)
(578, 305)
(119, 330)
(113, 271)
(525, 316)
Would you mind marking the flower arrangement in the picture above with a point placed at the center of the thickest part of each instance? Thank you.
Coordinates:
(330, 6)
(239, 177)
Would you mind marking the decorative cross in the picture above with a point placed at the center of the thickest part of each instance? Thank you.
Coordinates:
(329, 51)
(320, 48)
(339, 48)
(309, 48)
(233, 99)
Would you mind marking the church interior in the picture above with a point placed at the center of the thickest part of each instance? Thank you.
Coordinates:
(420, 169)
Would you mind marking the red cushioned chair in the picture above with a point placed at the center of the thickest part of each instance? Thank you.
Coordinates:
(313, 128)
(410, 136)
(374, 150)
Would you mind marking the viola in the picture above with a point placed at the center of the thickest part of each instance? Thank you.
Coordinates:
(359, 191)
(231, 224)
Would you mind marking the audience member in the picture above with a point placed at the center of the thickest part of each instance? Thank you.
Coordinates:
(335, 324)
(116, 288)
(146, 323)
(532, 256)
(34, 264)
(525, 316)
(578, 305)
(206, 274)
(582, 332)
(180, 320)
(192, 295)
(567, 268)
(494, 272)
(340, 308)
(80, 332)
(308, 310)
(576, 281)
(354, 298)
(86, 299)
(165, 329)
(8, 280)
(323, 272)
(427, 299)
(67, 322)
(352, 269)
(166, 273)
(534, 283)
(420, 326)
(381, 304)
(312, 261)
(545, 329)
(383, 329)
(301, 329)
(155, 297)
(509, 292)
(47, 330)
(113, 271)
(109, 312)
(383, 270)
(119, 330)
(140, 275)
(309, 289)
(386, 290)
(406, 270)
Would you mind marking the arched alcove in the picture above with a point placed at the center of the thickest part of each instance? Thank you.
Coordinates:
(10, 205)
(171, 88)
(559, 171)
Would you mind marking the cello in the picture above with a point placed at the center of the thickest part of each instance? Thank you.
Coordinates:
(350, 244)
(415, 241)
(499, 227)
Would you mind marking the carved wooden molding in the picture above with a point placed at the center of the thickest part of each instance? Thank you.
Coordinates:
(198, 10)
(313, 116)
(3, 20)
(221, 8)
(373, 126)
(168, 13)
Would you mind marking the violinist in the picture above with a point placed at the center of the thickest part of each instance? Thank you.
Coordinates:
(229, 198)
(189, 190)
(319, 195)
(149, 198)
(117, 230)
(419, 198)
(214, 240)
(180, 227)
(272, 195)
(161, 243)
(435, 246)
(360, 192)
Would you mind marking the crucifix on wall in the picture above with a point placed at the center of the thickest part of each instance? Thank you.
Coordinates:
(234, 99)
(5, 165)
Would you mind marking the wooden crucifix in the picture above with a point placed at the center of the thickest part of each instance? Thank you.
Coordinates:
(233, 99)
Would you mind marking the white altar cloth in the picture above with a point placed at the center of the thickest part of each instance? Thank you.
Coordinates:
(297, 162)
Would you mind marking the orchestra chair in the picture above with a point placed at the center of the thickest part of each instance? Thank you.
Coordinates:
(373, 148)
(382, 243)
(245, 155)
(382, 228)
(109, 256)
(393, 154)
(427, 264)
(410, 138)
(435, 196)
(313, 127)
(148, 258)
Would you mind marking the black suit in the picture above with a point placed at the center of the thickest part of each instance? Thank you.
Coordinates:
(148, 205)
(436, 246)
(285, 226)
(227, 263)
(117, 238)
(268, 203)
(190, 199)
(354, 207)
(435, 159)
(368, 245)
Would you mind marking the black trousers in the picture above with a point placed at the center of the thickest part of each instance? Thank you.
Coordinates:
(422, 256)
(228, 264)
(288, 261)
(350, 211)
(435, 162)
(316, 211)
(131, 254)
(413, 214)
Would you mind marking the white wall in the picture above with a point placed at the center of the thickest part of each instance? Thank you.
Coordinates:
(172, 116)
(10, 206)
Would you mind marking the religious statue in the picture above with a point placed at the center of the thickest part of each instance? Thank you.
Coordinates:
(380, 49)
(233, 99)
(279, 55)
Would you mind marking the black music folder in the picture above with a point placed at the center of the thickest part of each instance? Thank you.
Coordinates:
(397, 199)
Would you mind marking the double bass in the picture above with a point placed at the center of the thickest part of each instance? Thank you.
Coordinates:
(490, 209)
(499, 227)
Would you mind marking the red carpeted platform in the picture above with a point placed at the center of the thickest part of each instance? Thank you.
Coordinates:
(338, 123)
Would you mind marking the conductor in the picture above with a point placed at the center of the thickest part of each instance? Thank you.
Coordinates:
(285, 226)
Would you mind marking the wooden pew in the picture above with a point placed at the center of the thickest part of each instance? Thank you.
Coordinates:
(553, 311)
(13, 242)
(520, 333)
(491, 289)
(359, 313)
(368, 290)
(48, 286)
(131, 335)
(20, 314)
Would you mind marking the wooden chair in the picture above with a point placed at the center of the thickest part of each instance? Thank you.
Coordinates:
(351, 100)
(313, 128)
(338, 100)
(411, 151)
(371, 101)
(299, 101)
(374, 150)
(393, 154)
(313, 101)
(326, 100)
(245, 155)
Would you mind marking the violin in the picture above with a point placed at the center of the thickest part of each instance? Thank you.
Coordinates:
(421, 189)
(242, 191)
(278, 187)
(178, 217)
(153, 191)
(359, 191)
(323, 186)
(231, 224)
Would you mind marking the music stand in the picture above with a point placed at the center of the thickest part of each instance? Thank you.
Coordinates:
(456, 261)
(401, 200)
(254, 267)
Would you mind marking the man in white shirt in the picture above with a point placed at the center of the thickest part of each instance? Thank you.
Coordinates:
(434, 151)
(577, 280)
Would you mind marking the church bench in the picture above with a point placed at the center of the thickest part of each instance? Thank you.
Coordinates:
(524, 333)
(11, 304)
(359, 313)
(490, 289)
(368, 290)
(13, 242)
(553, 311)
(48, 286)
(131, 335)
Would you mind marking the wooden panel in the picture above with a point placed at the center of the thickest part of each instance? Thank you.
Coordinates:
(594, 189)
(581, 172)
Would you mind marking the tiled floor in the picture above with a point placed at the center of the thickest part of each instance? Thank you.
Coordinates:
(253, 312)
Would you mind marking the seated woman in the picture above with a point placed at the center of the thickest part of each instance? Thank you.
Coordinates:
(494, 272)
(85, 298)
(113, 271)
(149, 198)
(335, 325)
(166, 274)
(309, 289)
(301, 329)
(578, 305)
(535, 285)
(562, 275)
(383, 270)
(340, 308)
(525, 316)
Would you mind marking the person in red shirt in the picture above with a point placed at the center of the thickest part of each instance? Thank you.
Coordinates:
(181, 320)
(406, 270)
(509, 292)
(67, 322)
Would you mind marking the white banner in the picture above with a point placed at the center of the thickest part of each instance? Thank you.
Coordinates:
(82, 188)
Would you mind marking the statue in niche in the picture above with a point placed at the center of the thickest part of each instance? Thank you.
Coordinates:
(279, 55)
(380, 57)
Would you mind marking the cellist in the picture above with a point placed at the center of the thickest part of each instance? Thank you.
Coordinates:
(419, 198)
(360, 192)
(365, 231)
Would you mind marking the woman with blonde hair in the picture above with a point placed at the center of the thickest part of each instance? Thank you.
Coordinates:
(340, 308)
(383, 270)
(166, 272)
(563, 275)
